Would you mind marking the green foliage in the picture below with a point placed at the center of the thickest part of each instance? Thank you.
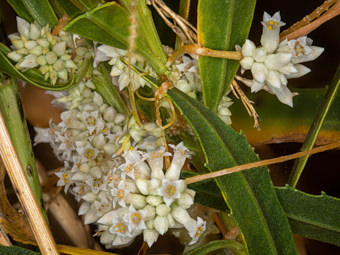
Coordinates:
(35, 10)
(313, 132)
(15, 250)
(217, 245)
(249, 195)
(109, 24)
(311, 216)
(221, 25)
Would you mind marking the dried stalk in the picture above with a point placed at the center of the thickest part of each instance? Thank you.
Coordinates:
(309, 18)
(24, 193)
(261, 163)
(246, 103)
(4, 240)
(331, 13)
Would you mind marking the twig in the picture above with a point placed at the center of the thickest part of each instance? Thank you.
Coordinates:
(220, 224)
(310, 17)
(232, 234)
(260, 163)
(24, 193)
(4, 240)
(247, 104)
(331, 13)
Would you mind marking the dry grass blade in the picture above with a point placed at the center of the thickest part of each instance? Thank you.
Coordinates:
(261, 163)
(305, 30)
(4, 240)
(310, 17)
(24, 193)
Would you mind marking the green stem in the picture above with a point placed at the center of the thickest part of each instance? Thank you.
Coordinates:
(217, 245)
(10, 106)
(149, 32)
(315, 128)
(184, 9)
(105, 88)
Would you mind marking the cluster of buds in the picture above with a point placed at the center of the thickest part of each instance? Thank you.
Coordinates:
(274, 62)
(120, 71)
(120, 182)
(37, 47)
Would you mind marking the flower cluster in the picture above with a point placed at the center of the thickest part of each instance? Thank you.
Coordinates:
(121, 184)
(274, 62)
(38, 47)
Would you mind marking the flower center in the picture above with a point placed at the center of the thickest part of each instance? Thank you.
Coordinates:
(90, 120)
(120, 227)
(271, 23)
(136, 217)
(171, 190)
(64, 177)
(299, 49)
(89, 153)
(128, 168)
(199, 232)
(120, 194)
(156, 154)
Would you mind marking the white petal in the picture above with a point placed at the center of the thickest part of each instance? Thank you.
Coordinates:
(34, 31)
(106, 219)
(247, 63)
(260, 54)
(278, 60)
(23, 27)
(259, 72)
(84, 208)
(142, 186)
(150, 236)
(248, 48)
(316, 52)
(161, 224)
(256, 86)
(30, 61)
(301, 71)
(284, 95)
(273, 79)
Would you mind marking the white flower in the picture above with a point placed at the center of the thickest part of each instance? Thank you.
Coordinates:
(119, 194)
(273, 63)
(171, 190)
(65, 178)
(197, 231)
(178, 160)
(135, 220)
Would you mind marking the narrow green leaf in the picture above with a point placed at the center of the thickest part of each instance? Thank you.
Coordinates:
(217, 245)
(311, 216)
(86, 5)
(221, 25)
(66, 6)
(280, 123)
(34, 77)
(11, 109)
(40, 10)
(108, 92)
(249, 194)
(109, 24)
(15, 250)
(21, 10)
(313, 132)
(314, 217)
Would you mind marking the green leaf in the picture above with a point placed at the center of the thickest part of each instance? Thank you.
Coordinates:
(249, 194)
(311, 216)
(108, 92)
(39, 10)
(15, 250)
(280, 123)
(221, 24)
(314, 217)
(34, 77)
(11, 109)
(313, 132)
(86, 5)
(217, 245)
(65, 6)
(109, 24)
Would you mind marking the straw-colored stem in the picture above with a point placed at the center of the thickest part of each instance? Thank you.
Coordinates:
(305, 30)
(202, 51)
(24, 193)
(4, 240)
(261, 163)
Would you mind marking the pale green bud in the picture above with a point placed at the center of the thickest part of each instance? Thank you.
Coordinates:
(162, 210)
(81, 51)
(30, 44)
(70, 64)
(63, 75)
(51, 57)
(14, 56)
(96, 172)
(22, 51)
(23, 27)
(41, 60)
(66, 57)
(37, 50)
(109, 114)
(45, 50)
(43, 42)
(161, 224)
(18, 44)
(44, 69)
(34, 31)
(60, 48)
(154, 200)
(59, 65)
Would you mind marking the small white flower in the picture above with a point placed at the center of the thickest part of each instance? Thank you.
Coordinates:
(65, 178)
(271, 31)
(135, 220)
(170, 190)
(119, 194)
(197, 231)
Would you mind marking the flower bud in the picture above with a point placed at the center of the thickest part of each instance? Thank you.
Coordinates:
(30, 44)
(59, 48)
(154, 200)
(150, 236)
(43, 42)
(162, 210)
(14, 56)
(161, 224)
(51, 57)
(138, 201)
(34, 31)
